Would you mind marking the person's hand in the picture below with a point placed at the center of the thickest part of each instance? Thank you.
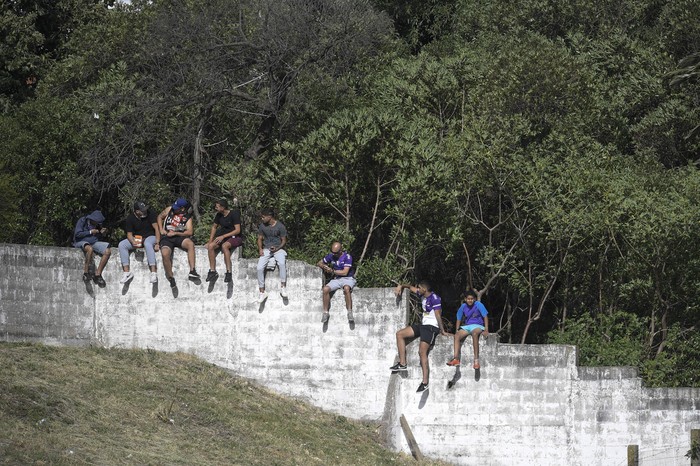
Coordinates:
(485, 333)
(170, 234)
(156, 248)
(398, 290)
(444, 333)
(104, 231)
(262, 253)
(218, 239)
(273, 249)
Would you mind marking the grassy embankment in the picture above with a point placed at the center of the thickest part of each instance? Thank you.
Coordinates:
(98, 406)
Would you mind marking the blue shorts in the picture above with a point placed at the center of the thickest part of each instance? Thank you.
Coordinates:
(99, 247)
(469, 328)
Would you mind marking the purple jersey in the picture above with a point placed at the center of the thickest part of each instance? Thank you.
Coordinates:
(430, 304)
(472, 315)
(345, 260)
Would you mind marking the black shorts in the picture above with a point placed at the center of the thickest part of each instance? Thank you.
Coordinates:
(427, 333)
(172, 242)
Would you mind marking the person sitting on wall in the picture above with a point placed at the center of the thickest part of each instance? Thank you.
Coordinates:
(142, 231)
(88, 236)
(225, 235)
(272, 238)
(176, 229)
(472, 319)
(338, 263)
(428, 330)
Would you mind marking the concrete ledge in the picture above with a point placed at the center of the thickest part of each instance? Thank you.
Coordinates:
(530, 404)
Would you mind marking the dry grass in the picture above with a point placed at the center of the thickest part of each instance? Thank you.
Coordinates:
(97, 406)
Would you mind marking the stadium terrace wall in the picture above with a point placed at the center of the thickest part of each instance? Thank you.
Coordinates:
(529, 404)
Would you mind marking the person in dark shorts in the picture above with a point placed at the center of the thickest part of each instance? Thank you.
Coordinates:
(428, 330)
(176, 230)
(88, 236)
(225, 235)
(142, 231)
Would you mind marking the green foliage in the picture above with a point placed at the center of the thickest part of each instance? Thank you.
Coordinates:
(605, 340)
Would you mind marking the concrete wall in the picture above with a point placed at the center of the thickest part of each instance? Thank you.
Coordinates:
(529, 404)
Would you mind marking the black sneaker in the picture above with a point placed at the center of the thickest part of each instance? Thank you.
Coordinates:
(99, 280)
(398, 367)
(227, 277)
(422, 387)
(172, 282)
(87, 278)
(212, 275)
(194, 274)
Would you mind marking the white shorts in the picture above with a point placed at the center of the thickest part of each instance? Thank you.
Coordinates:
(340, 282)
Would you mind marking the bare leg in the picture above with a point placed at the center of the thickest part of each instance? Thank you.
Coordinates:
(87, 249)
(326, 298)
(227, 256)
(167, 253)
(475, 342)
(103, 262)
(188, 245)
(348, 297)
(403, 337)
(423, 352)
(211, 252)
(460, 335)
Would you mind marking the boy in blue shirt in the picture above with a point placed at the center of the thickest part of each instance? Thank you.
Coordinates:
(471, 320)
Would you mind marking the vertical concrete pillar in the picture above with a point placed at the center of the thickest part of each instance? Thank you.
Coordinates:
(632, 455)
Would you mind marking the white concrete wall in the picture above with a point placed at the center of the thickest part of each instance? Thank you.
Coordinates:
(529, 404)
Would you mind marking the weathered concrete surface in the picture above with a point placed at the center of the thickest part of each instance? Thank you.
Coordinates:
(530, 404)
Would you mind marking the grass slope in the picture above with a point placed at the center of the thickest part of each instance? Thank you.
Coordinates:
(98, 406)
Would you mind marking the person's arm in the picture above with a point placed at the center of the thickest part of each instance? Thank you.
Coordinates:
(212, 233)
(82, 230)
(323, 266)
(235, 232)
(260, 243)
(438, 316)
(399, 288)
(189, 229)
(130, 237)
(283, 243)
(486, 327)
(161, 219)
(156, 229)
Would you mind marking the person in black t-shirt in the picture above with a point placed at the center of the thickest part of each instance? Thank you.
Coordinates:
(141, 232)
(226, 235)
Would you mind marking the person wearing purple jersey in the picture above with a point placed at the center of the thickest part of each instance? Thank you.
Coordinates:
(338, 263)
(472, 319)
(428, 330)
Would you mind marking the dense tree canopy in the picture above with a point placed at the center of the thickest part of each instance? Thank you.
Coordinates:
(543, 153)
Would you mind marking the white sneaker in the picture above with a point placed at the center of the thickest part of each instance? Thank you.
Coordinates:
(126, 277)
(154, 277)
(283, 291)
(262, 297)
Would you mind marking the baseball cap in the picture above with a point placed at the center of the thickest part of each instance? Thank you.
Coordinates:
(141, 206)
(180, 203)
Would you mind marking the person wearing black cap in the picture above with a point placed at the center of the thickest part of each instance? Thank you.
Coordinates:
(176, 229)
(142, 231)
